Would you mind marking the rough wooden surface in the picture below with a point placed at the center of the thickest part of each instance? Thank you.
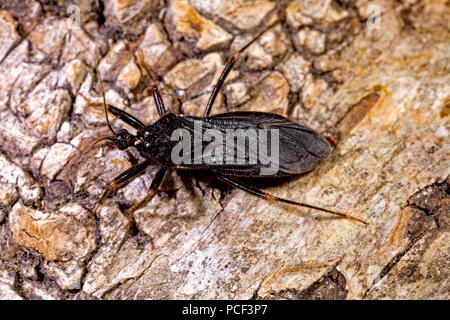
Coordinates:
(379, 88)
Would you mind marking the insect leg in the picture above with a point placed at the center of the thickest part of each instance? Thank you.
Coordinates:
(263, 195)
(156, 95)
(126, 117)
(230, 63)
(122, 179)
(157, 180)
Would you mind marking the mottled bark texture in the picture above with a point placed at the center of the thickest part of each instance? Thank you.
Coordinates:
(378, 86)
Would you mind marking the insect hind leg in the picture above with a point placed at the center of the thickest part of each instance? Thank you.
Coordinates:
(263, 195)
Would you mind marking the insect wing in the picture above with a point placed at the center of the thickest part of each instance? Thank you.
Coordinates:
(300, 148)
(256, 144)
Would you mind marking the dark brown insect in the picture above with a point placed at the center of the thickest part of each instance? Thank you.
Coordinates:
(300, 149)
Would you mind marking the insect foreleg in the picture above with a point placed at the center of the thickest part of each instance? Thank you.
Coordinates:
(122, 115)
(126, 117)
(157, 180)
(121, 180)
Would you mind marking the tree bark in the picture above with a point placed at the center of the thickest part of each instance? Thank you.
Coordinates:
(372, 78)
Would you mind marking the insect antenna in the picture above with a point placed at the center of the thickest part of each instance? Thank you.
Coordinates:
(97, 71)
(104, 100)
(153, 84)
(82, 153)
(95, 144)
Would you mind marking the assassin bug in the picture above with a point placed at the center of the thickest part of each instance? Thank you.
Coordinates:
(300, 148)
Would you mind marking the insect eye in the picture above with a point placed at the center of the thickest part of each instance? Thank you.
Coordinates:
(146, 134)
(123, 139)
(147, 144)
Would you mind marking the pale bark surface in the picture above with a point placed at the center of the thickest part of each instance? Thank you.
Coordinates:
(380, 88)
